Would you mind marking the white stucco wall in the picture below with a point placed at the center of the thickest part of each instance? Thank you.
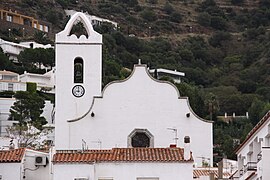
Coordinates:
(139, 102)
(124, 171)
(67, 49)
(10, 171)
(71, 171)
(265, 170)
(5, 104)
(32, 172)
(250, 150)
(17, 86)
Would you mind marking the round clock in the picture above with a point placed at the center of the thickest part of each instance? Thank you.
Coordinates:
(78, 91)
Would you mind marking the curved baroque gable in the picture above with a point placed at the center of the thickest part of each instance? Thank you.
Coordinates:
(140, 77)
(144, 76)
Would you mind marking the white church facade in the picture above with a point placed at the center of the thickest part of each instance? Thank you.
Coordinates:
(138, 128)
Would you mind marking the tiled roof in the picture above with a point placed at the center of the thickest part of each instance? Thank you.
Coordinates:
(250, 176)
(12, 156)
(122, 155)
(206, 172)
(254, 130)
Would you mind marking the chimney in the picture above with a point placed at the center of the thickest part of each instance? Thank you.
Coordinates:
(220, 170)
(172, 145)
(212, 175)
(187, 148)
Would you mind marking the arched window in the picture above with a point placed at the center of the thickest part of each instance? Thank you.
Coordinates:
(78, 70)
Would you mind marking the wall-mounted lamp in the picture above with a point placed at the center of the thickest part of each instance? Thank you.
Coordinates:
(188, 115)
(92, 114)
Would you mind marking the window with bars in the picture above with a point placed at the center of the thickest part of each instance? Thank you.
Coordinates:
(78, 70)
(10, 87)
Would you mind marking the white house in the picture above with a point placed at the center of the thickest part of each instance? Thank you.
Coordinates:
(45, 82)
(123, 164)
(253, 155)
(9, 81)
(13, 49)
(24, 164)
(160, 72)
(139, 113)
(93, 19)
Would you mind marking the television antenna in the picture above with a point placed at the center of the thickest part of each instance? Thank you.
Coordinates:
(98, 142)
(175, 134)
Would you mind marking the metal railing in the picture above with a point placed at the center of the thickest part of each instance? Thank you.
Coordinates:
(251, 166)
(259, 157)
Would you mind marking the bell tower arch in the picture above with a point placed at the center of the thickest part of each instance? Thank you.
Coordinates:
(78, 75)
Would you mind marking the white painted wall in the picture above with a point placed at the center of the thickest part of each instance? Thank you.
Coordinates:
(67, 49)
(124, 171)
(250, 150)
(14, 49)
(70, 171)
(46, 80)
(32, 172)
(17, 86)
(5, 104)
(265, 170)
(10, 171)
(139, 102)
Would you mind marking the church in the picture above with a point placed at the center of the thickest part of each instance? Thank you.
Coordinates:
(138, 128)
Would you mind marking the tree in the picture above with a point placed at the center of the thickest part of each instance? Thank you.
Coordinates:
(218, 22)
(204, 19)
(41, 37)
(5, 63)
(148, 15)
(28, 108)
(237, 2)
(27, 136)
(30, 57)
(176, 17)
(212, 105)
(255, 111)
(195, 97)
(216, 39)
(168, 8)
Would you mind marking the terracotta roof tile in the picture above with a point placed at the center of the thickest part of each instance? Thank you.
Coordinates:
(121, 155)
(250, 176)
(206, 172)
(11, 156)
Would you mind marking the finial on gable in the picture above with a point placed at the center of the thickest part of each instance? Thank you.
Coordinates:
(139, 62)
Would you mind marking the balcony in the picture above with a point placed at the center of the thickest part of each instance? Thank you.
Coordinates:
(259, 157)
(251, 166)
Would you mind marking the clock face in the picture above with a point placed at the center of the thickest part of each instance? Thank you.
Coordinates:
(78, 91)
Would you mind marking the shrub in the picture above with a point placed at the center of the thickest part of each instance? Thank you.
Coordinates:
(148, 15)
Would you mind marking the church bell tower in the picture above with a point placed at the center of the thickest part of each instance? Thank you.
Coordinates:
(78, 75)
